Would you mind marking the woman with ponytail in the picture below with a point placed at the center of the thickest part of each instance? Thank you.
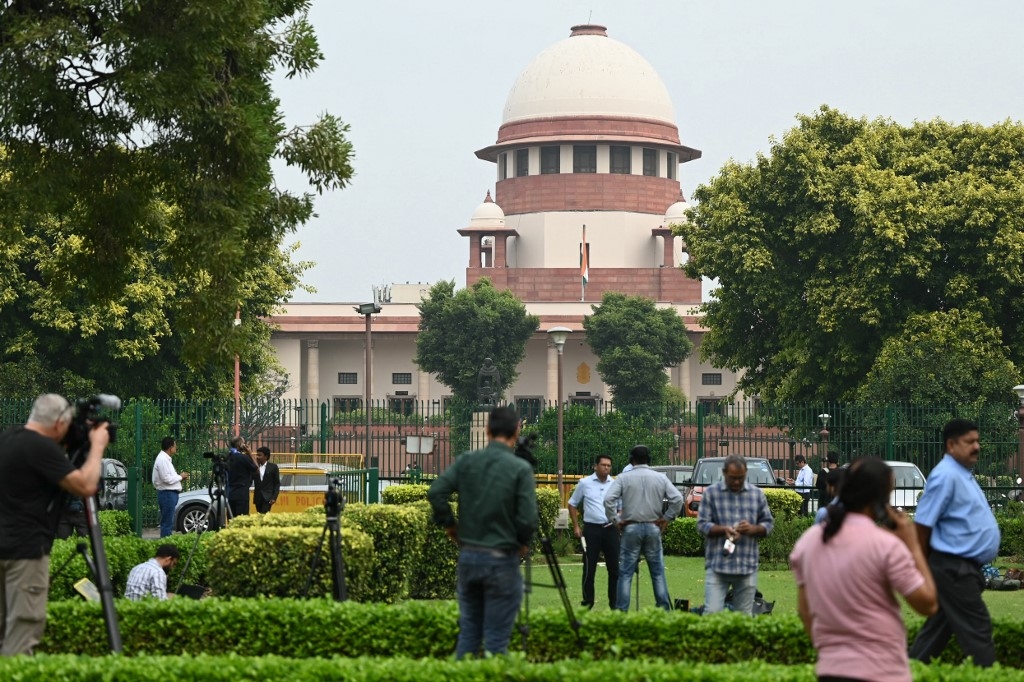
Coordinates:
(848, 570)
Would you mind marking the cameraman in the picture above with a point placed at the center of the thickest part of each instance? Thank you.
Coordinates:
(243, 471)
(34, 474)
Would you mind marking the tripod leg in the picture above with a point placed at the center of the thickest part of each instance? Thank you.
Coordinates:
(559, 580)
(337, 560)
(315, 564)
(102, 573)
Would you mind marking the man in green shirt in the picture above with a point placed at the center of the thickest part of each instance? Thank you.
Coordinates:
(497, 520)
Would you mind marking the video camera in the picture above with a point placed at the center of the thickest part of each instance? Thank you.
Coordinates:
(334, 501)
(524, 447)
(216, 457)
(87, 414)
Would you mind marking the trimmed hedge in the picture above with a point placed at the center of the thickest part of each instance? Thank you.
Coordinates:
(434, 575)
(404, 493)
(114, 522)
(249, 562)
(783, 503)
(681, 538)
(204, 668)
(303, 628)
(398, 533)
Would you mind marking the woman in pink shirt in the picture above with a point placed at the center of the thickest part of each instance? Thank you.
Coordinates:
(848, 570)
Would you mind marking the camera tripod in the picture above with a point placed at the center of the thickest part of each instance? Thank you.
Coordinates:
(333, 504)
(217, 514)
(558, 582)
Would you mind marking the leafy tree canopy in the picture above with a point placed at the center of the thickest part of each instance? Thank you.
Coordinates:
(138, 210)
(826, 247)
(635, 341)
(459, 330)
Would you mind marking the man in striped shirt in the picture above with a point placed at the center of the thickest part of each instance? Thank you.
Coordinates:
(149, 579)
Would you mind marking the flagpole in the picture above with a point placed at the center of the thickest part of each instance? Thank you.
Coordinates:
(584, 266)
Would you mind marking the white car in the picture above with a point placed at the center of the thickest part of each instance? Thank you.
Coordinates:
(908, 485)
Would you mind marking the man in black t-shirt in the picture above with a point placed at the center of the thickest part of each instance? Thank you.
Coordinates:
(34, 474)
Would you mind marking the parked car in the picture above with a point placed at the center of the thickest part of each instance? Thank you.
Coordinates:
(679, 474)
(708, 471)
(113, 491)
(302, 486)
(908, 486)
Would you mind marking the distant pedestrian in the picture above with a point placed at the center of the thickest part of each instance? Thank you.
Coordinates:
(243, 472)
(959, 533)
(804, 482)
(833, 484)
(268, 487)
(644, 494)
(599, 535)
(167, 482)
(831, 464)
(733, 516)
(856, 627)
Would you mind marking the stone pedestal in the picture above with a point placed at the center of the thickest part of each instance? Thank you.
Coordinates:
(478, 430)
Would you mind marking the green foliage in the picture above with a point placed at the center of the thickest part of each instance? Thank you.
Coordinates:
(398, 534)
(635, 341)
(1011, 528)
(114, 522)
(587, 434)
(434, 575)
(268, 561)
(404, 493)
(783, 503)
(459, 330)
(828, 245)
(950, 353)
(427, 630)
(549, 502)
(681, 538)
(776, 548)
(137, 203)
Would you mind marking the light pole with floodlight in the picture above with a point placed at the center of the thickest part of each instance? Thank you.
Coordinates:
(238, 380)
(558, 335)
(823, 434)
(1019, 390)
(368, 309)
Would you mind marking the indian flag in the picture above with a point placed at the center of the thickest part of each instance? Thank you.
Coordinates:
(584, 264)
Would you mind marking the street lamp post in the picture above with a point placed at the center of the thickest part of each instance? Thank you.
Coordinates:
(823, 435)
(238, 380)
(366, 310)
(558, 335)
(1019, 390)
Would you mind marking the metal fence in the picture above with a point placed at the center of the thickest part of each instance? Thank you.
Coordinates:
(410, 439)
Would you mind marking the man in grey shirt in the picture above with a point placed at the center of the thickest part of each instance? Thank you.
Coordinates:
(650, 502)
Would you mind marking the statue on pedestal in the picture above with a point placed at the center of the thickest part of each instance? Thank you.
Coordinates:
(488, 384)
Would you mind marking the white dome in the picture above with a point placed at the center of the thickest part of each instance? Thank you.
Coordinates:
(676, 213)
(590, 74)
(488, 214)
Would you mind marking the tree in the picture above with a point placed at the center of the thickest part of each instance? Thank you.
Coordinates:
(138, 209)
(459, 330)
(825, 247)
(635, 341)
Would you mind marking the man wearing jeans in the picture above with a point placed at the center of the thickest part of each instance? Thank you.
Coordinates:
(649, 503)
(497, 520)
(733, 515)
(167, 482)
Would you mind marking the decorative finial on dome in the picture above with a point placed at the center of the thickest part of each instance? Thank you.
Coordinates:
(681, 197)
(488, 199)
(588, 30)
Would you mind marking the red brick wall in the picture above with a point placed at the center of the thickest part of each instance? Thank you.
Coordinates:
(563, 284)
(586, 192)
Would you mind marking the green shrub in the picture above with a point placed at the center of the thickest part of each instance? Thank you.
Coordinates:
(398, 533)
(1011, 528)
(433, 576)
(267, 561)
(311, 518)
(682, 538)
(113, 522)
(783, 503)
(324, 628)
(404, 493)
(548, 505)
(776, 548)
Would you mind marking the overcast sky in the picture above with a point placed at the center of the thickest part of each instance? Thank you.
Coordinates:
(423, 86)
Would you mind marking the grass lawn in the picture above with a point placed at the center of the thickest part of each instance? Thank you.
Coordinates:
(685, 577)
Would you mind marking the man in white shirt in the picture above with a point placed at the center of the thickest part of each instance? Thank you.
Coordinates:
(598, 534)
(167, 482)
(149, 579)
(804, 482)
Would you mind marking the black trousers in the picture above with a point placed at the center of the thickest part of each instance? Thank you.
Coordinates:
(600, 539)
(239, 505)
(962, 612)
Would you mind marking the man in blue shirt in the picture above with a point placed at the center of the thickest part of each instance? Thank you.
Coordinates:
(959, 533)
(733, 515)
(599, 535)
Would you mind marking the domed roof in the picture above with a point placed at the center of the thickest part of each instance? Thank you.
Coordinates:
(676, 213)
(488, 214)
(592, 74)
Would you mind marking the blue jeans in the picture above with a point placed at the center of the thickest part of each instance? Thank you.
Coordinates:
(490, 589)
(168, 500)
(716, 585)
(645, 537)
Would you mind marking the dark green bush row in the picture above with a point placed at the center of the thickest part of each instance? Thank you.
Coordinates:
(239, 669)
(114, 522)
(1011, 525)
(428, 629)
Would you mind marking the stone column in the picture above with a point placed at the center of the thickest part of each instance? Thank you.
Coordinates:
(670, 256)
(313, 369)
(423, 387)
(499, 250)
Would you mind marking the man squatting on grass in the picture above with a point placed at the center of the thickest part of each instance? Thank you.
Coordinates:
(497, 520)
